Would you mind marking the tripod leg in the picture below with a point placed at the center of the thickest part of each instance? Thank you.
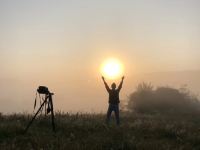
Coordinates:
(45, 109)
(34, 116)
(52, 113)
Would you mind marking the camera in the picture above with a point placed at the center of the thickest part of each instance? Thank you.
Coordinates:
(43, 90)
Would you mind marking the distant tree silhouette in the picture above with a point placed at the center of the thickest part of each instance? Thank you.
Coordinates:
(162, 100)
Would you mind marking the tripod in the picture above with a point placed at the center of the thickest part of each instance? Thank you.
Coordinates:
(47, 101)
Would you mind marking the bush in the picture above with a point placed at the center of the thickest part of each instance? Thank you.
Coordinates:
(146, 99)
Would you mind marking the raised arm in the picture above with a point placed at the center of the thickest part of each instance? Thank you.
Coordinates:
(120, 85)
(106, 85)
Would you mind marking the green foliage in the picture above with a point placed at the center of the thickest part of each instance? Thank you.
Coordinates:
(146, 99)
(88, 132)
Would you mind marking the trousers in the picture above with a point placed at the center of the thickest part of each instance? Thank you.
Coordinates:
(115, 108)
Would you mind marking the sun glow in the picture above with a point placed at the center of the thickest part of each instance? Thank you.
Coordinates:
(112, 68)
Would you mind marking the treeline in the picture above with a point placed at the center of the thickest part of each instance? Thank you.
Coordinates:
(163, 100)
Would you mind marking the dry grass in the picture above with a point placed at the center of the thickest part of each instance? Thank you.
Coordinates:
(87, 131)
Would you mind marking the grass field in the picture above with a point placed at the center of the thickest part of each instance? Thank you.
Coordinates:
(89, 132)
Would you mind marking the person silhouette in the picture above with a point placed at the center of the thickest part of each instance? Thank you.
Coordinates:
(113, 100)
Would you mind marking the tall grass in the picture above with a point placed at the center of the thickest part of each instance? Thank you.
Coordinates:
(89, 132)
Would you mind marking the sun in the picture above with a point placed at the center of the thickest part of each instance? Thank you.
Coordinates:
(112, 68)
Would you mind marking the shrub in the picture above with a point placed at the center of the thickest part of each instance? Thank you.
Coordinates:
(146, 99)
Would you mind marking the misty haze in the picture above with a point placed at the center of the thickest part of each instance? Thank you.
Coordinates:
(17, 95)
(100, 75)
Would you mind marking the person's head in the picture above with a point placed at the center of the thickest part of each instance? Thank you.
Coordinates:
(113, 86)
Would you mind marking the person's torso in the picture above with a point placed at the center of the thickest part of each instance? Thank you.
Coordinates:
(113, 96)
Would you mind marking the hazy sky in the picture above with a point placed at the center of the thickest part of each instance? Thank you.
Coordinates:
(61, 43)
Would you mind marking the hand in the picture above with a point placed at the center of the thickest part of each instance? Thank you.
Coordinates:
(103, 78)
(123, 78)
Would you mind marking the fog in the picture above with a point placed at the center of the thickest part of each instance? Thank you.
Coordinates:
(85, 93)
(61, 44)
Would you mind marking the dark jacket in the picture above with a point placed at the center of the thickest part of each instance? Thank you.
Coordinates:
(114, 96)
(113, 93)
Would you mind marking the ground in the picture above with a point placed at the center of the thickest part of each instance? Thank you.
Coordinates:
(89, 132)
